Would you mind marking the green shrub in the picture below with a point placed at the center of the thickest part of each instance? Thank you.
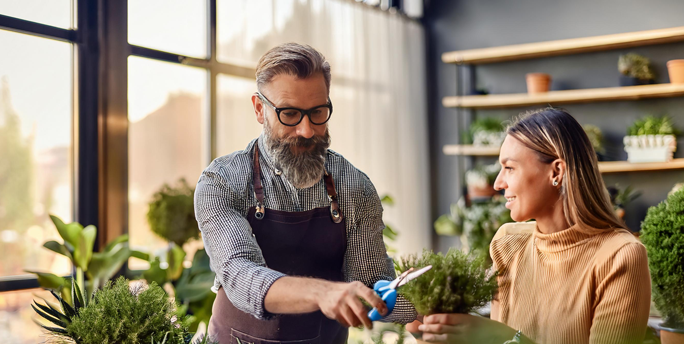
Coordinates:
(457, 282)
(595, 137)
(172, 215)
(662, 232)
(652, 125)
(119, 315)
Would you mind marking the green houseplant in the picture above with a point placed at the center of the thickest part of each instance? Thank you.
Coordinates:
(480, 181)
(171, 213)
(651, 139)
(485, 131)
(457, 282)
(596, 138)
(662, 232)
(476, 224)
(621, 197)
(635, 70)
(118, 314)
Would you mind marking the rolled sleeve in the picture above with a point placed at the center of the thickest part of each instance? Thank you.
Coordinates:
(234, 253)
(366, 259)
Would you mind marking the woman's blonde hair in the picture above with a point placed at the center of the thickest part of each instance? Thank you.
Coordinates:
(555, 134)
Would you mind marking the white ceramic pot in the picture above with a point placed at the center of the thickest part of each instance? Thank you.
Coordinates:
(650, 148)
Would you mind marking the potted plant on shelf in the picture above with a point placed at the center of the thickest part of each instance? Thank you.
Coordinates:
(662, 232)
(487, 131)
(457, 282)
(596, 138)
(675, 68)
(476, 224)
(620, 197)
(635, 70)
(538, 82)
(651, 139)
(480, 181)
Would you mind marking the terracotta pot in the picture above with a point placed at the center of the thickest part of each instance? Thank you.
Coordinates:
(676, 70)
(538, 82)
(667, 337)
(475, 192)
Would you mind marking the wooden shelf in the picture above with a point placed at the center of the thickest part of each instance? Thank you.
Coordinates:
(566, 97)
(565, 47)
(470, 150)
(625, 166)
(604, 166)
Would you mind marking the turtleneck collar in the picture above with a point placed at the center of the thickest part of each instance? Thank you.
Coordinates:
(559, 241)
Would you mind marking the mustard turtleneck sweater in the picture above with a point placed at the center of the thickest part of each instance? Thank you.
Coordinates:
(570, 287)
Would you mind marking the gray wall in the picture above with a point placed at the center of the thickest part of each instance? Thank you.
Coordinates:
(468, 24)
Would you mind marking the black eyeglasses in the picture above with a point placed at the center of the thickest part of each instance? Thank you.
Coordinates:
(290, 116)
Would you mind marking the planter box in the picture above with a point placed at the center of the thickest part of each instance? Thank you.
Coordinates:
(650, 148)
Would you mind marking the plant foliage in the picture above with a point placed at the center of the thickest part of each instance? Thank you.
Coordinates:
(457, 282)
(172, 215)
(662, 232)
(636, 66)
(652, 125)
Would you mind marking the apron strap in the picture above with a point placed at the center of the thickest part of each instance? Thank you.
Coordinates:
(335, 212)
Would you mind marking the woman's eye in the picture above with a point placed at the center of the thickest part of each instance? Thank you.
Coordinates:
(508, 168)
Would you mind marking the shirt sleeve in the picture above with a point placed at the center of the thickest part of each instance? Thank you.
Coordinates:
(623, 298)
(366, 258)
(233, 251)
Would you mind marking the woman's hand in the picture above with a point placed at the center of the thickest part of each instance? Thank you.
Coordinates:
(463, 328)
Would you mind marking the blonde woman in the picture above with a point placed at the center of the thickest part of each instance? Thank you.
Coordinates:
(575, 275)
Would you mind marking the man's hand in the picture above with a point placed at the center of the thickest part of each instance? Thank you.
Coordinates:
(340, 301)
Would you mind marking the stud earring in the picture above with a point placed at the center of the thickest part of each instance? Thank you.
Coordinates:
(555, 182)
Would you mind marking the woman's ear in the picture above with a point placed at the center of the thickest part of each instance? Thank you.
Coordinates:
(558, 169)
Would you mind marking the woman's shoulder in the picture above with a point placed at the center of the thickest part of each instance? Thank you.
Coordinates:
(620, 244)
(510, 239)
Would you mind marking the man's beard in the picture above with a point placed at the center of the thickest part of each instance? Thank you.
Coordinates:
(305, 168)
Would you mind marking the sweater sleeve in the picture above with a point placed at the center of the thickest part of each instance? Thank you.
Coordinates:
(623, 297)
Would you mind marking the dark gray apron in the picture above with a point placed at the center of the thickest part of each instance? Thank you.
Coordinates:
(308, 244)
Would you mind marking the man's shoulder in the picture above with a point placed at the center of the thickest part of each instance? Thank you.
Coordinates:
(344, 171)
(237, 161)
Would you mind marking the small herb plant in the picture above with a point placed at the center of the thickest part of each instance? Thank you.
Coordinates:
(483, 175)
(457, 282)
(485, 131)
(636, 66)
(652, 125)
(171, 213)
(662, 232)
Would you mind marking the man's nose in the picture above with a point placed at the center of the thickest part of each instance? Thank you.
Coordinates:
(304, 128)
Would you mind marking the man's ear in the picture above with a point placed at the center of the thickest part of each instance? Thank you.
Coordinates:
(558, 169)
(258, 108)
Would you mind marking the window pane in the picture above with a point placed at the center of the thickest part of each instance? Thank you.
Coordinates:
(236, 123)
(176, 26)
(51, 12)
(36, 170)
(16, 326)
(166, 109)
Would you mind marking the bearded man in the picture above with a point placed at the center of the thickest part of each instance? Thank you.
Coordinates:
(293, 230)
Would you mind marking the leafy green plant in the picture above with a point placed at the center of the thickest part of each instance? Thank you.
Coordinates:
(652, 125)
(389, 234)
(482, 175)
(636, 66)
(477, 223)
(457, 282)
(61, 316)
(117, 314)
(486, 125)
(662, 232)
(171, 213)
(595, 137)
(97, 267)
(621, 197)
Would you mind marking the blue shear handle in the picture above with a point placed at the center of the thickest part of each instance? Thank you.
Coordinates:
(389, 296)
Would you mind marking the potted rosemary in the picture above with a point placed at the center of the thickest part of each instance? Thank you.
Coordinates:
(662, 232)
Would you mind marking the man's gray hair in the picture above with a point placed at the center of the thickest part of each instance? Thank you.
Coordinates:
(294, 59)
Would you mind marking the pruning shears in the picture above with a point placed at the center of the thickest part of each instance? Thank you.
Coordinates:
(387, 290)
